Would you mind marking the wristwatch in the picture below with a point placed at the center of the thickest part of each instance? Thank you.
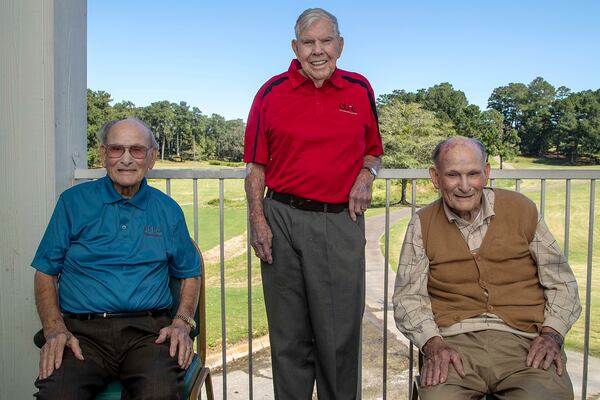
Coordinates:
(372, 170)
(190, 321)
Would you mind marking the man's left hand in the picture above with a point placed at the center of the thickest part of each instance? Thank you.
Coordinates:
(545, 350)
(181, 343)
(360, 195)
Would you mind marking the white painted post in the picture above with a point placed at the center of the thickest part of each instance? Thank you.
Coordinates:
(42, 138)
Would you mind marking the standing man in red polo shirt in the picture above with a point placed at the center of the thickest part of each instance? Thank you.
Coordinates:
(312, 138)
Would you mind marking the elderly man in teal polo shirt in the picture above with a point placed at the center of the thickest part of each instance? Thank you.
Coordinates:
(102, 280)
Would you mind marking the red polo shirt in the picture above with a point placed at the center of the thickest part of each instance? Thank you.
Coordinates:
(313, 140)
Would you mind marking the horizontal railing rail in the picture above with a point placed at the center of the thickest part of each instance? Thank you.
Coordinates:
(389, 175)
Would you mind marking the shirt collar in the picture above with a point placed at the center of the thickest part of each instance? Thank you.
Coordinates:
(109, 195)
(485, 212)
(297, 79)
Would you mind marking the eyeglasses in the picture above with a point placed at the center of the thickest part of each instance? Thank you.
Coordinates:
(117, 150)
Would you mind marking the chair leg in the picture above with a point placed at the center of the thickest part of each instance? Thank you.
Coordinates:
(209, 388)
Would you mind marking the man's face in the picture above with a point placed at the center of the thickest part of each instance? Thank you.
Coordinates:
(318, 49)
(125, 171)
(460, 177)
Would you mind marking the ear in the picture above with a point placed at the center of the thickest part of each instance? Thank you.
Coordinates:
(434, 177)
(153, 157)
(341, 46)
(487, 170)
(102, 150)
(295, 47)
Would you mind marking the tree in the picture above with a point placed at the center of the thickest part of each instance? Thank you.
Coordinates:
(99, 112)
(537, 123)
(409, 134)
(160, 117)
(230, 142)
(498, 138)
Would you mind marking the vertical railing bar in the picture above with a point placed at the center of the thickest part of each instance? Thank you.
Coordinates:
(567, 217)
(588, 290)
(222, 260)
(413, 210)
(542, 197)
(385, 284)
(491, 182)
(195, 188)
(249, 253)
(168, 183)
(413, 197)
(518, 185)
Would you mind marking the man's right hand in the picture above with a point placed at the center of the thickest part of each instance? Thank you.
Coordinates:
(261, 239)
(51, 354)
(438, 357)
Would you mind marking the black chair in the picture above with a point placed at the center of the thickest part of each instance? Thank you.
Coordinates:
(197, 374)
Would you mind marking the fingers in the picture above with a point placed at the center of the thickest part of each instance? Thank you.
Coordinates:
(543, 352)
(458, 366)
(351, 210)
(262, 240)
(162, 336)
(73, 344)
(559, 364)
(51, 353)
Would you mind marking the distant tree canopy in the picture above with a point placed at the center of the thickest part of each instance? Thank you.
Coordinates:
(531, 119)
(449, 112)
(182, 132)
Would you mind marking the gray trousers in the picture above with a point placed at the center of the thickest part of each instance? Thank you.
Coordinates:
(314, 296)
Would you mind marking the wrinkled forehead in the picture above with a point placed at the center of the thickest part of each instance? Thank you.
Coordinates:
(461, 150)
(312, 22)
(129, 130)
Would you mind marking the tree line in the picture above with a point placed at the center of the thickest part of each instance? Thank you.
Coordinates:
(531, 119)
(181, 131)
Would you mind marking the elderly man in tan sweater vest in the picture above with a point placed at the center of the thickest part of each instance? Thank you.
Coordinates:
(483, 288)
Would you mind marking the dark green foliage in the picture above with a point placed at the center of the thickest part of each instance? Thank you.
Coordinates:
(182, 132)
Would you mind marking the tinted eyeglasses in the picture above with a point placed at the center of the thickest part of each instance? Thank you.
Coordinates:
(117, 150)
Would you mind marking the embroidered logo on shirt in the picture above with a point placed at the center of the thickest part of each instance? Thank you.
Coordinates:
(152, 231)
(347, 108)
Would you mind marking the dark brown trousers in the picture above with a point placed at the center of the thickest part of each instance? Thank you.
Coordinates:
(118, 348)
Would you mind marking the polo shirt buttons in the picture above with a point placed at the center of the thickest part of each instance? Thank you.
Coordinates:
(123, 227)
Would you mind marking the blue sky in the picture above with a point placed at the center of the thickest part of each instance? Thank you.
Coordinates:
(215, 55)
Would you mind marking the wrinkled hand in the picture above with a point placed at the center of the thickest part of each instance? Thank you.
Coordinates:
(545, 350)
(261, 239)
(51, 353)
(438, 357)
(181, 343)
(360, 194)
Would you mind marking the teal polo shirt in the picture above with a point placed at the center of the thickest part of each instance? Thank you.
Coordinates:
(114, 254)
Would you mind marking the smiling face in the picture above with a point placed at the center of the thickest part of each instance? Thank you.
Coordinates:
(460, 176)
(317, 48)
(127, 172)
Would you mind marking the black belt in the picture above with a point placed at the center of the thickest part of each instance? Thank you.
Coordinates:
(306, 204)
(106, 315)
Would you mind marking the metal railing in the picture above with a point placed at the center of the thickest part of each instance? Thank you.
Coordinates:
(388, 175)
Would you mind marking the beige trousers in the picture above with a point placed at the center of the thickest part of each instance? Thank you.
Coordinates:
(495, 362)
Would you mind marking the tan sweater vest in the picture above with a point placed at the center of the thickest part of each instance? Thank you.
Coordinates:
(503, 266)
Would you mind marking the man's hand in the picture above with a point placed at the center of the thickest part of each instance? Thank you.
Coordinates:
(360, 194)
(438, 357)
(51, 354)
(181, 343)
(545, 349)
(261, 238)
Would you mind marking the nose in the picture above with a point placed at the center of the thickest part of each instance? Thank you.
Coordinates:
(126, 158)
(464, 184)
(317, 49)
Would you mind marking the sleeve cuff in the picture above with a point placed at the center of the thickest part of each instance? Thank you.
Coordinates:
(422, 337)
(556, 324)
